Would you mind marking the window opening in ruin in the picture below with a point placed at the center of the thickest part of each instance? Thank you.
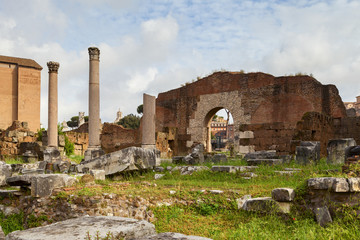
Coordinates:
(220, 130)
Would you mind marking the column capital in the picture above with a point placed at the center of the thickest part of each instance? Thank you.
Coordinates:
(94, 53)
(53, 66)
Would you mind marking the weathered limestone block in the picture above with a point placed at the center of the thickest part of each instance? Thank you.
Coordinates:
(5, 172)
(241, 201)
(284, 207)
(188, 170)
(77, 228)
(229, 169)
(173, 236)
(271, 154)
(271, 162)
(21, 180)
(354, 184)
(341, 185)
(127, 159)
(42, 185)
(323, 216)
(323, 183)
(307, 152)
(2, 234)
(52, 154)
(336, 150)
(261, 204)
(98, 174)
(283, 194)
(196, 156)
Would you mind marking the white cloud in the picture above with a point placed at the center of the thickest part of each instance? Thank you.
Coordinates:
(140, 81)
(155, 46)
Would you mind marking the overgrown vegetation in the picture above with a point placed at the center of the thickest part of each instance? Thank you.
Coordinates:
(69, 146)
(130, 121)
(196, 211)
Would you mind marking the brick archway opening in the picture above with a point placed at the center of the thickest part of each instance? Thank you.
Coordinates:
(217, 129)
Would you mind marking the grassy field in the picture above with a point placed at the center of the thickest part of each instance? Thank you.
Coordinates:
(216, 216)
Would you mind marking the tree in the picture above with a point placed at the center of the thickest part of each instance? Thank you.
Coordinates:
(74, 121)
(130, 121)
(140, 109)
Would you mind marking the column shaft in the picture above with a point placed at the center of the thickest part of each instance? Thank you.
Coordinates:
(148, 121)
(52, 133)
(94, 98)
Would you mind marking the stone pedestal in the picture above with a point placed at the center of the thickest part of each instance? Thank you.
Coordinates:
(148, 122)
(94, 149)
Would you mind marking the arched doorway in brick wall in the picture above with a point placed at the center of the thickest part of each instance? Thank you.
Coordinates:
(220, 129)
(207, 106)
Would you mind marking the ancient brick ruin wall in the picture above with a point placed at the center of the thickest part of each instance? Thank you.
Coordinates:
(269, 136)
(115, 137)
(263, 99)
(19, 95)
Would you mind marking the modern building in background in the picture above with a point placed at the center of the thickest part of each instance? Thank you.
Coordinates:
(20, 90)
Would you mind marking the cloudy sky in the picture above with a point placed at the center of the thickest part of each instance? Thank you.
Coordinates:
(152, 46)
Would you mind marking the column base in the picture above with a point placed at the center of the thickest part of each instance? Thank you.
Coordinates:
(93, 152)
(148, 146)
(52, 154)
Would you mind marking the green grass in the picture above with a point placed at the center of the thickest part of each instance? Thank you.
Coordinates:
(76, 158)
(217, 216)
(12, 160)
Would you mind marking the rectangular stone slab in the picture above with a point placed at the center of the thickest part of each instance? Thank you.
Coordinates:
(79, 228)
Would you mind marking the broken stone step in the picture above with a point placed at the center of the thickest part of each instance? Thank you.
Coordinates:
(271, 162)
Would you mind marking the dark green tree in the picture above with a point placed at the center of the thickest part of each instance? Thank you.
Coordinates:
(74, 121)
(130, 121)
(140, 109)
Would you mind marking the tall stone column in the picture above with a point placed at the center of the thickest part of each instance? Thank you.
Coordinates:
(148, 122)
(52, 153)
(94, 149)
(52, 133)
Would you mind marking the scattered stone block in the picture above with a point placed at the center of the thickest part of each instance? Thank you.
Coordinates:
(52, 154)
(341, 185)
(173, 236)
(290, 173)
(271, 154)
(20, 180)
(322, 215)
(5, 172)
(323, 183)
(169, 168)
(216, 191)
(270, 162)
(262, 204)
(42, 185)
(308, 151)
(9, 193)
(336, 150)
(188, 170)
(283, 194)
(158, 176)
(196, 156)
(132, 158)
(354, 184)
(248, 174)
(172, 192)
(98, 174)
(241, 201)
(159, 169)
(77, 228)
(229, 169)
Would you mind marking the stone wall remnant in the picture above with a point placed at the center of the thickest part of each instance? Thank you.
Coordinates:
(253, 98)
